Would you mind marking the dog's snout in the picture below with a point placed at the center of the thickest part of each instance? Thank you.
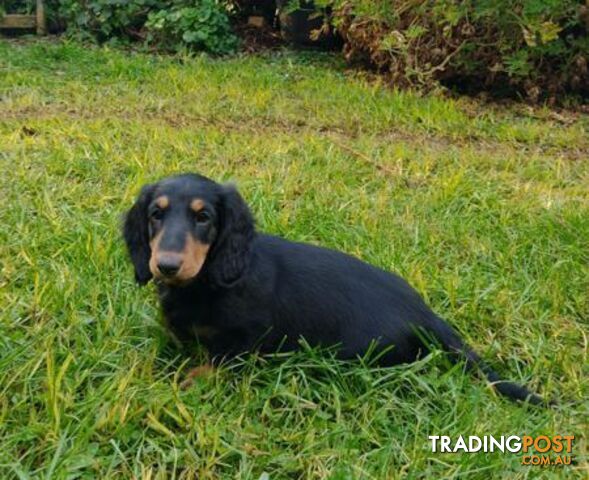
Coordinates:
(169, 266)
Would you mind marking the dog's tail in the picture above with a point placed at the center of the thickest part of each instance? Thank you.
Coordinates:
(451, 341)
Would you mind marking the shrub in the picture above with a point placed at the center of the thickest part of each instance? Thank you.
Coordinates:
(170, 24)
(203, 26)
(538, 47)
(103, 20)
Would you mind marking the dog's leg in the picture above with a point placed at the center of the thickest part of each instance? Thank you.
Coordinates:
(202, 371)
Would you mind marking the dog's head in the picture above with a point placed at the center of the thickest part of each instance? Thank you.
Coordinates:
(185, 225)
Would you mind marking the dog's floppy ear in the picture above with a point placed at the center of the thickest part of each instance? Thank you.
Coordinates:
(231, 252)
(136, 234)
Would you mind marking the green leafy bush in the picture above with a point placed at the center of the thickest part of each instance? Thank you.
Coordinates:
(169, 24)
(538, 47)
(106, 19)
(203, 26)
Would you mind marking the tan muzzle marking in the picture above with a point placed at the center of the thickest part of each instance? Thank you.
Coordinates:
(191, 258)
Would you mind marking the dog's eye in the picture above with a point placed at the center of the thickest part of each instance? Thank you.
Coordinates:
(202, 216)
(157, 214)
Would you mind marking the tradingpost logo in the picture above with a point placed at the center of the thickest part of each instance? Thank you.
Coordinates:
(540, 450)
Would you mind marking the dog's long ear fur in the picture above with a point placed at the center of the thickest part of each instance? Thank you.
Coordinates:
(136, 234)
(231, 253)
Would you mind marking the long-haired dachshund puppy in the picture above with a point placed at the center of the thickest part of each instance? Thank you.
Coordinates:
(238, 290)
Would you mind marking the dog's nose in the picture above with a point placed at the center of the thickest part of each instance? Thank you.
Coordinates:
(169, 266)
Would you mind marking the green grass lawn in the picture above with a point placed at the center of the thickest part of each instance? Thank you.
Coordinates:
(484, 209)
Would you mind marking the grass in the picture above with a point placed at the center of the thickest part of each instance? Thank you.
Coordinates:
(485, 210)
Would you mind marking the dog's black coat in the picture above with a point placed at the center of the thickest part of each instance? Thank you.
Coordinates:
(261, 292)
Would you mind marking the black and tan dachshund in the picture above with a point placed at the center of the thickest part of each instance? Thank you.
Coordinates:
(238, 290)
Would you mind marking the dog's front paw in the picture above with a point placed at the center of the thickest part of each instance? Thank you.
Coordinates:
(198, 372)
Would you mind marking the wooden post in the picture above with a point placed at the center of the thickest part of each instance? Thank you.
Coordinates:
(41, 24)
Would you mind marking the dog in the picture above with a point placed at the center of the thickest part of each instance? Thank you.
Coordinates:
(236, 290)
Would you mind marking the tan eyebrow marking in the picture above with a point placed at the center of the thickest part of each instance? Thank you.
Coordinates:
(163, 201)
(197, 205)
